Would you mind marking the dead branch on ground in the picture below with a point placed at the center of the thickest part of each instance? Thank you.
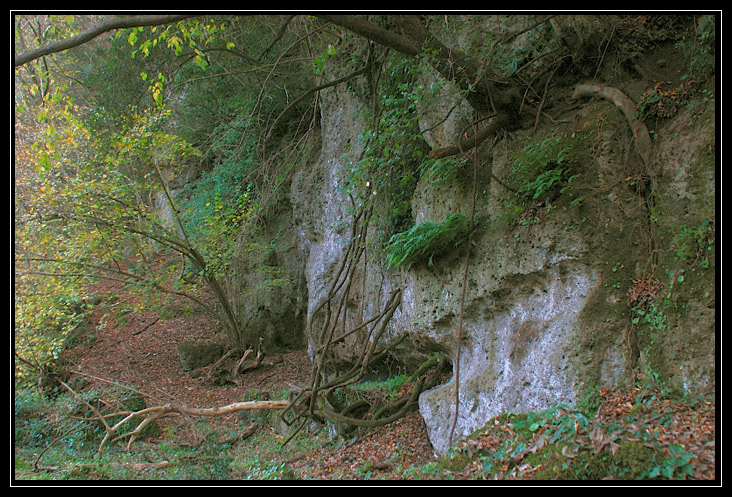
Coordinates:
(150, 414)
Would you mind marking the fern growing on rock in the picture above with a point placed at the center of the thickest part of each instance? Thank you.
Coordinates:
(425, 241)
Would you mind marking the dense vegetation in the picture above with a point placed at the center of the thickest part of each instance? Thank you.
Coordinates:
(175, 117)
(153, 157)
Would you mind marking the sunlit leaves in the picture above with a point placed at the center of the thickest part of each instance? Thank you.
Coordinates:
(82, 205)
(156, 89)
(201, 60)
(132, 37)
(193, 34)
(176, 44)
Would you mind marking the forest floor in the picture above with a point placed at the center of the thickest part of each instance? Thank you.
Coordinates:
(141, 350)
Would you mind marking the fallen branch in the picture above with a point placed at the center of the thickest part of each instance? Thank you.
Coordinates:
(242, 367)
(146, 327)
(152, 413)
(642, 139)
(143, 466)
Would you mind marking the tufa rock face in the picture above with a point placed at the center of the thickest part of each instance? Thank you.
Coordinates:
(545, 312)
(197, 355)
(519, 353)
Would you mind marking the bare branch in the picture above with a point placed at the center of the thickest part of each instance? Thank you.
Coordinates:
(150, 414)
(278, 36)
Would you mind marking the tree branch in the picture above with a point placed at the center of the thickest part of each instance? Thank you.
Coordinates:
(375, 33)
(494, 125)
(90, 34)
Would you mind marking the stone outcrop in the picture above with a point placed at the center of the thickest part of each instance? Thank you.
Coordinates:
(546, 311)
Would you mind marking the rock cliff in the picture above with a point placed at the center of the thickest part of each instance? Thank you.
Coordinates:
(610, 279)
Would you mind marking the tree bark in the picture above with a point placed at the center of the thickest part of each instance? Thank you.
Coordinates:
(375, 33)
(468, 143)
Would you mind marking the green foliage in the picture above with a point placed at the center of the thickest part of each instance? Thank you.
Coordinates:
(48, 304)
(563, 443)
(629, 462)
(440, 170)
(393, 147)
(88, 173)
(425, 241)
(84, 196)
(32, 424)
(541, 171)
(68, 422)
(52, 434)
(214, 210)
(46, 313)
(652, 315)
(387, 390)
(693, 244)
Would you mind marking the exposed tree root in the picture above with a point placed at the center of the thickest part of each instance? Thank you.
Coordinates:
(642, 139)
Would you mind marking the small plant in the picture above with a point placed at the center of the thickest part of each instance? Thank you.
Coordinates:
(693, 244)
(541, 171)
(658, 103)
(440, 170)
(423, 242)
(677, 465)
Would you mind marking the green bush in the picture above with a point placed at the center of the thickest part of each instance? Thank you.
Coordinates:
(423, 242)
